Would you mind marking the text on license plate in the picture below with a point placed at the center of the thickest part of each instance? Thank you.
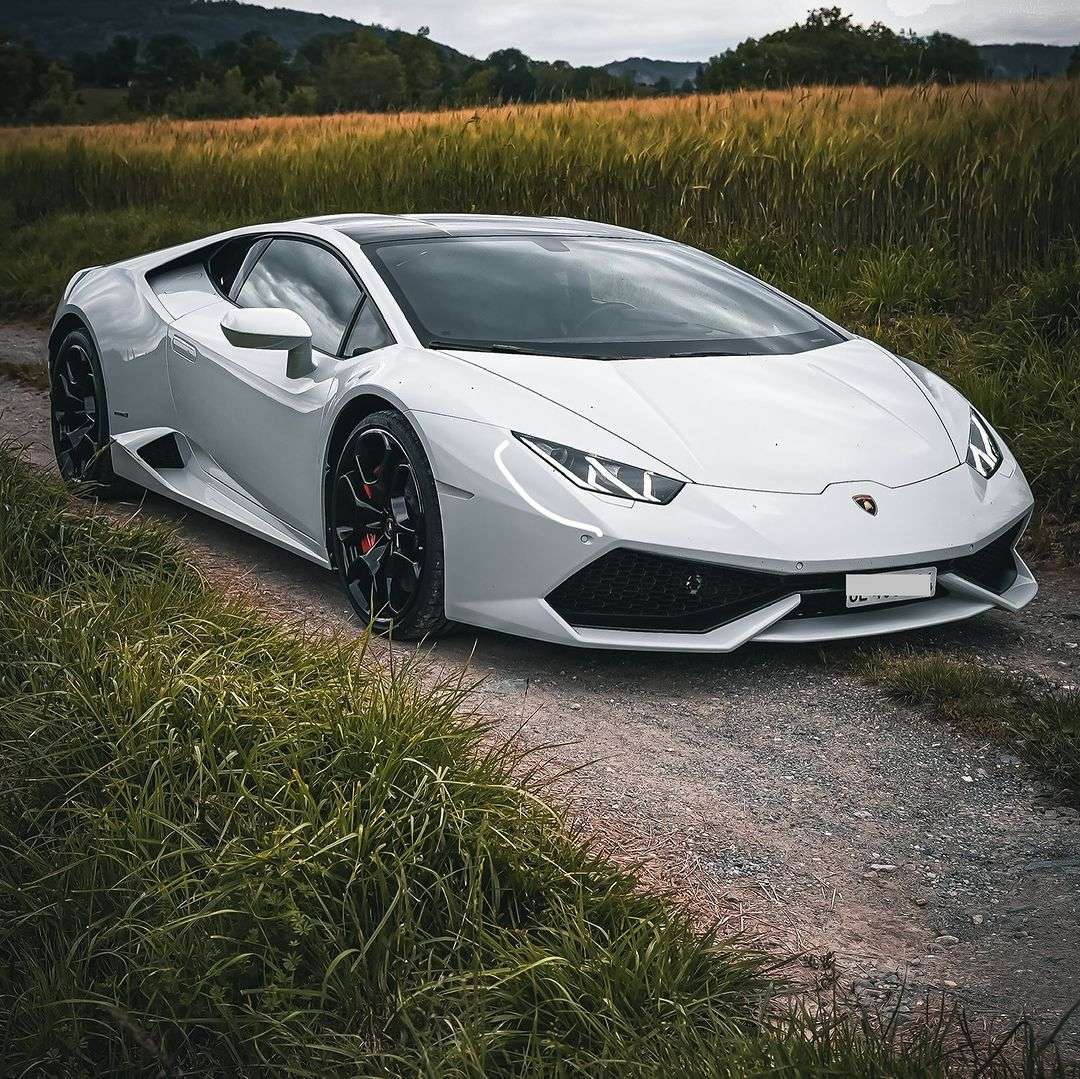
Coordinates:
(866, 589)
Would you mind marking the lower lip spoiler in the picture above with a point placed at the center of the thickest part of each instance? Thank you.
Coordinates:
(964, 600)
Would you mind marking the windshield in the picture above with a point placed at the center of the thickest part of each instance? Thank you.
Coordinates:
(587, 296)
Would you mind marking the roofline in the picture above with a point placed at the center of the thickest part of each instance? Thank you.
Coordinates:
(496, 225)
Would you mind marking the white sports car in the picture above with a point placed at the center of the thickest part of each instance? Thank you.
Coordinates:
(567, 430)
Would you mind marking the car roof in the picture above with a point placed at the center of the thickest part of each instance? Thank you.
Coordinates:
(367, 227)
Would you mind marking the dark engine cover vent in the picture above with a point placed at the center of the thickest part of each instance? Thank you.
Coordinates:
(162, 453)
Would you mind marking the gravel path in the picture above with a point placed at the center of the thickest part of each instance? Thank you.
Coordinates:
(772, 789)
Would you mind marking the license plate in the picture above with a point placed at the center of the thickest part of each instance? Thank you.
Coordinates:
(866, 589)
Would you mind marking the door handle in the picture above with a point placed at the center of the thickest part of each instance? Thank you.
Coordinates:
(186, 349)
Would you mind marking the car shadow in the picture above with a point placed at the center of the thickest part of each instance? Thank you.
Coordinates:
(291, 585)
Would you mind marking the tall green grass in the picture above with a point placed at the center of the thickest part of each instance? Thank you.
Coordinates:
(232, 850)
(260, 851)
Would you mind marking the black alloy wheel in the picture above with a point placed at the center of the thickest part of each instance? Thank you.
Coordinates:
(386, 531)
(80, 424)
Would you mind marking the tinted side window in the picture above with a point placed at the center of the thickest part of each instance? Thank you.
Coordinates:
(369, 332)
(225, 264)
(309, 280)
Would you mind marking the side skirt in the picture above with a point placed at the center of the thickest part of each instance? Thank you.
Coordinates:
(192, 486)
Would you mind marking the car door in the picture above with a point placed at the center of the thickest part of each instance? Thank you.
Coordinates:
(253, 428)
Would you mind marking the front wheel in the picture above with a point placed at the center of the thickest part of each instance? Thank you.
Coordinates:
(386, 529)
(80, 420)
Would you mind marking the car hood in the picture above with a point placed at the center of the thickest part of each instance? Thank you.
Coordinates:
(767, 423)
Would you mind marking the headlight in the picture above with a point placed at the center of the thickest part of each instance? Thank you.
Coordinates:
(984, 454)
(603, 475)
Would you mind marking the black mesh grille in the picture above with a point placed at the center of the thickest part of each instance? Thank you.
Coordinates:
(627, 589)
(630, 589)
(993, 566)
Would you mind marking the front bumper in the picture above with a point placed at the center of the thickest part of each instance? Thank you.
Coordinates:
(514, 531)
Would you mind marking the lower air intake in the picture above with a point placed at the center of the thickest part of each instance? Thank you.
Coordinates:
(627, 589)
(633, 590)
(993, 567)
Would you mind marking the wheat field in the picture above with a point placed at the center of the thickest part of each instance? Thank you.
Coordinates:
(991, 172)
(942, 221)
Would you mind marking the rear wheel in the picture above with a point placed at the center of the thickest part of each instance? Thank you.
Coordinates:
(80, 420)
(386, 529)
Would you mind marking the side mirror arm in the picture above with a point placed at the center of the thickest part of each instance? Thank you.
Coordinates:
(300, 362)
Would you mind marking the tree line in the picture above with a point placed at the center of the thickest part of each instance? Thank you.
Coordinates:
(167, 74)
(386, 70)
(830, 47)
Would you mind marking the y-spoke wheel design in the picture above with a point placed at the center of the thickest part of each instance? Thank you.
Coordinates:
(385, 530)
(76, 422)
(80, 422)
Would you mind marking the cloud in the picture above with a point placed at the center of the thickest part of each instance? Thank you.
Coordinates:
(595, 33)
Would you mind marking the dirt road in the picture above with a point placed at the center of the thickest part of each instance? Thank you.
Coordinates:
(772, 788)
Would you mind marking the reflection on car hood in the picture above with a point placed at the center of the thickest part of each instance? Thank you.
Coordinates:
(769, 423)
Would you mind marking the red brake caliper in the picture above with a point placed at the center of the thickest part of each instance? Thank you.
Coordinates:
(368, 541)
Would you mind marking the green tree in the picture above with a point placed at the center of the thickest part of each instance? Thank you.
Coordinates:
(949, 59)
(360, 73)
(115, 65)
(261, 57)
(554, 80)
(830, 47)
(212, 97)
(479, 86)
(55, 90)
(21, 70)
(514, 79)
(1073, 70)
(302, 101)
(268, 95)
(32, 88)
(170, 64)
(422, 68)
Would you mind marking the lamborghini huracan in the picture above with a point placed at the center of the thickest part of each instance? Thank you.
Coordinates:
(572, 431)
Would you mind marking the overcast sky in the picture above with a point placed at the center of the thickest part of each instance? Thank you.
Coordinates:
(591, 32)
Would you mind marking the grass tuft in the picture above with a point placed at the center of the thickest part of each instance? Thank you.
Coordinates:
(1044, 725)
(34, 375)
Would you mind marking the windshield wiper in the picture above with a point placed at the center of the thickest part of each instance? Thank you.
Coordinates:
(687, 355)
(499, 346)
(491, 346)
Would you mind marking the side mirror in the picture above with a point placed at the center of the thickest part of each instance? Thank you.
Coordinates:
(272, 328)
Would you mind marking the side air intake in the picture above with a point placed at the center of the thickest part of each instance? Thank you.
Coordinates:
(162, 453)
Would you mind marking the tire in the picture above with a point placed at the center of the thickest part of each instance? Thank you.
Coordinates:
(385, 529)
(79, 416)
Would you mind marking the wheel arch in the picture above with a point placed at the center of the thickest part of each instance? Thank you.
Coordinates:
(64, 325)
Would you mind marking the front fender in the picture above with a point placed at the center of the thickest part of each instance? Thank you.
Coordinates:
(130, 337)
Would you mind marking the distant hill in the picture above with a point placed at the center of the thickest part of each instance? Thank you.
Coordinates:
(63, 27)
(648, 72)
(1024, 60)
